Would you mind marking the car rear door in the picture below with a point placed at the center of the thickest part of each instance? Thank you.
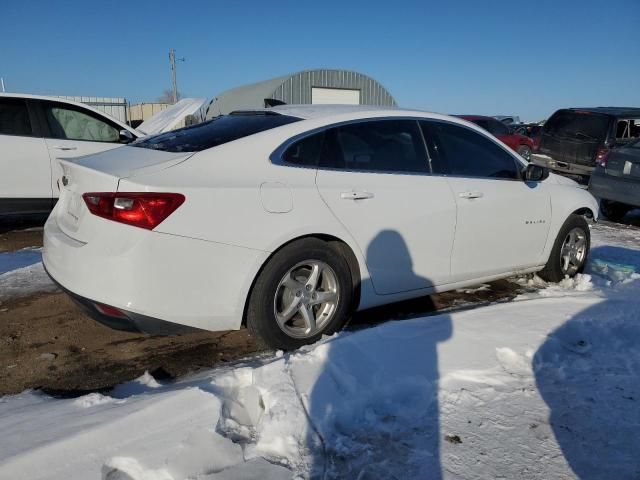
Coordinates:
(375, 177)
(73, 131)
(25, 172)
(502, 221)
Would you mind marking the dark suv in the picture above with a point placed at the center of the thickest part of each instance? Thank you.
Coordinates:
(574, 139)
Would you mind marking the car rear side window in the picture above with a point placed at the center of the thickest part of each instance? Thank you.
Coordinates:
(14, 117)
(217, 131)
(463, 152)
(579, 125)
(305, 152)
(628, 129)
(386, 146)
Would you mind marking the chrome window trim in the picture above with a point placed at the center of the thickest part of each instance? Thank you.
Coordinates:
(276, 156)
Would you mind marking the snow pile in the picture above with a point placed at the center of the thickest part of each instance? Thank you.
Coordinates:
(25, 281)
(551, 382)
(543, 387)
(22, 274)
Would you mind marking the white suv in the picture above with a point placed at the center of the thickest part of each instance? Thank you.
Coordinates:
(34, 132)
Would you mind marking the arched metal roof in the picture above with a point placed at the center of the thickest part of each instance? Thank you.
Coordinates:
(296, 89)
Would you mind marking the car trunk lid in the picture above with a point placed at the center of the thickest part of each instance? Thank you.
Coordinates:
(101, 173)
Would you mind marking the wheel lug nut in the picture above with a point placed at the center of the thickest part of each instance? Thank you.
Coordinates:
(298, 293)
(308, 287)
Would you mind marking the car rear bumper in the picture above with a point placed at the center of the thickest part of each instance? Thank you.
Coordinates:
(154, 279)
(128, 321)
(558, 166)
(620, 190)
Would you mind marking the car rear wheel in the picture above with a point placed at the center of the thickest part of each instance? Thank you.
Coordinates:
(570, 250)
(525, 152)
(614, 210)
(303, 292)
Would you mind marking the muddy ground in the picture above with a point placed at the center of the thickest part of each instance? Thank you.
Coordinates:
(47, 343)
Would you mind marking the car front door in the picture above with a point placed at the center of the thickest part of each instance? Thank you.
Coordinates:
(74, 131)
(502, 221)
(25, 173)
(375, 177)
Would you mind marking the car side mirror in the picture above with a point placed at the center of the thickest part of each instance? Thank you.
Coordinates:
(535, 173)
(126, 136)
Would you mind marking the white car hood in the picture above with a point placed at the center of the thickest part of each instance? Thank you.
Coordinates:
(167, 119)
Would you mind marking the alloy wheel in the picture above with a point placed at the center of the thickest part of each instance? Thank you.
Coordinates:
(306, 299)
(573, 252)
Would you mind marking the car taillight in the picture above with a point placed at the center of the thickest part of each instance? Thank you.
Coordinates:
(144, 210)
(109, 311)
(602, 155)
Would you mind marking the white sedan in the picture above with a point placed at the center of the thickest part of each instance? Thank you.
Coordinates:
(288, 220)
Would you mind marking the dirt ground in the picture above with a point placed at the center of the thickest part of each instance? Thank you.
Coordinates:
(46, 341)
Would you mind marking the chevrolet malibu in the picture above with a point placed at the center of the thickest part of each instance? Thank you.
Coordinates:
(288, 220)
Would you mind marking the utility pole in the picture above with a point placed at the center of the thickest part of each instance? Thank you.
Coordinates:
(2, 82)
(174, 83)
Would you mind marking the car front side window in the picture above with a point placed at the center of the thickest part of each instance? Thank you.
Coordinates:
(386, 146)
(463, 152)
(68, 123)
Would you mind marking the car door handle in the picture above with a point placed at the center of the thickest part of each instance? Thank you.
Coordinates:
(471, 194)
(60, 147)
(356, 195)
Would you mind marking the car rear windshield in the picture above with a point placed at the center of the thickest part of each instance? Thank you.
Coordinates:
(214, 132)
(585, 125)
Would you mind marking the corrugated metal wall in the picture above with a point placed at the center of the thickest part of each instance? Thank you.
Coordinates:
(144, 111)
(297, 88)
(116, 107)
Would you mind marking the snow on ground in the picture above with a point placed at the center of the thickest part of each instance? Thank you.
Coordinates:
(542, 387)
(22, 274)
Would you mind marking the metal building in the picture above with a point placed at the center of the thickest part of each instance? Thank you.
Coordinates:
(116, 107)
(308, 86)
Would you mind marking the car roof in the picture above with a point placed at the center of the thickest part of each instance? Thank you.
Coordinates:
(476, 117)
(614, 111)
(70, 102)
(330, 113)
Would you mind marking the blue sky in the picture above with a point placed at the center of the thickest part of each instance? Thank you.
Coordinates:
(457, 56)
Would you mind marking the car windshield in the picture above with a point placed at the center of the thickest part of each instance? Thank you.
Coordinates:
(581, 125)
(219, 130)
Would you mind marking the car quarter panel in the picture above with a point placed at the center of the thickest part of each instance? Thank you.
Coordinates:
(566, 198)
(182, 280)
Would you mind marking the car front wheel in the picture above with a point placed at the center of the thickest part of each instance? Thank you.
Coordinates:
(570, 250)
(304, 291)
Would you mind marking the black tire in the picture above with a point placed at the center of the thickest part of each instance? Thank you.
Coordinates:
(553, 272)
(614, 211)
(261, 316)
(525, 152)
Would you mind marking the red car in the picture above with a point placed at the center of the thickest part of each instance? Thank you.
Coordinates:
(521, 144)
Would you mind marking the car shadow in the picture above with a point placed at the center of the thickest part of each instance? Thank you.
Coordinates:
(587, 373)
(371, 419)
